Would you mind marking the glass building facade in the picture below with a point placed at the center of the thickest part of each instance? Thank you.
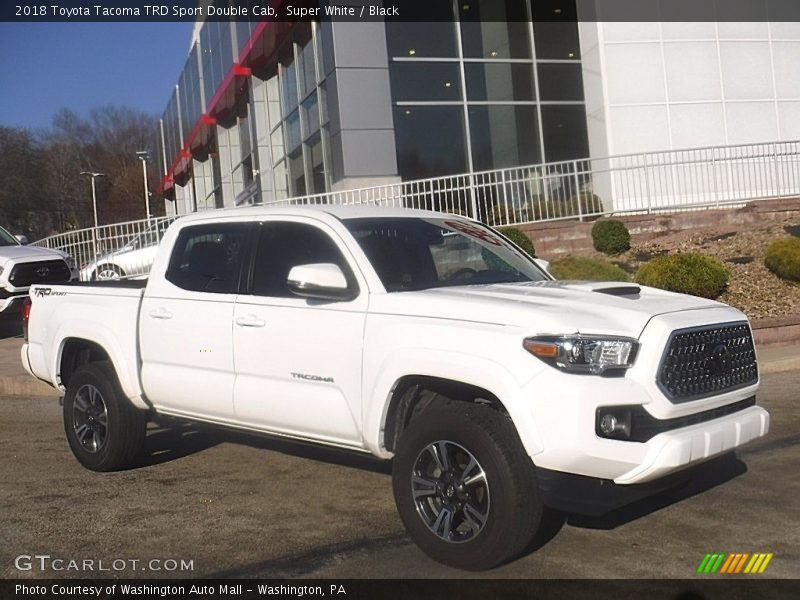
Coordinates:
(491, 89)
(266, 111)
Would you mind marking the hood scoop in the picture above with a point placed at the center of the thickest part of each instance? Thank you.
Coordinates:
(619, 290)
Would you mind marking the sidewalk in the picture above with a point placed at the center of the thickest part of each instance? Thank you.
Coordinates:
(15, 381)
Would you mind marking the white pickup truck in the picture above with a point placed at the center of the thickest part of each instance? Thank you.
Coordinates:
(418, 336)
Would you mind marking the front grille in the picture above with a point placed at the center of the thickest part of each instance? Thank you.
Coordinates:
(707, 361)
(50, 271)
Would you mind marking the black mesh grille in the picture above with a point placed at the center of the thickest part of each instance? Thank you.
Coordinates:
(50, 271)
(703, 362)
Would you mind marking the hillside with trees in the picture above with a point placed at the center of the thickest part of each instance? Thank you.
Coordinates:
(43, 191)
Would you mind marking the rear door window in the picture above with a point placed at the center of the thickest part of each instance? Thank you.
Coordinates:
(209, 258)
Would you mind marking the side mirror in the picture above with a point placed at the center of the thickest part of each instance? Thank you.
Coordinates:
(322, 281)
(22, 239)
(544, 265)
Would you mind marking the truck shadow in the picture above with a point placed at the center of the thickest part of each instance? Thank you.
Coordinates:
(709, 475)
(170, 441)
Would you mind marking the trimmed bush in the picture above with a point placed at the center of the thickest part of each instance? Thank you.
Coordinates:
(587, 269)
(519, 238)
(686, 273)
(611, 237)
(783, 258)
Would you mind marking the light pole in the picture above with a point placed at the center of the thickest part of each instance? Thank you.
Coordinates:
(143, 156)
(94, 206)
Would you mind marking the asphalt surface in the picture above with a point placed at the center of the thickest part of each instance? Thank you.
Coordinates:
(243, 506)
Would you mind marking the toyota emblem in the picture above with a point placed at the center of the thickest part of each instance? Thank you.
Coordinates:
(43, 271)
(719, 360)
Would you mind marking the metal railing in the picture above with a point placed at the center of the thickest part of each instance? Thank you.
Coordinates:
(654, 182)
(675, 180)
(118, 251)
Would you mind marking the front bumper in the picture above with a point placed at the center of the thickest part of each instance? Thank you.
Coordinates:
(670, 451)
(565, 408)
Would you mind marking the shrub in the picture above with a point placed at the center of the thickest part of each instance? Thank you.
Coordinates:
(783, 258)
(687, 273)
(587, 269)
(611, 237)
(519, 238)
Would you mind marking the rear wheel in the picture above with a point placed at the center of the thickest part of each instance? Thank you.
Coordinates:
(464, 486)
(108, 273)
(104, 430)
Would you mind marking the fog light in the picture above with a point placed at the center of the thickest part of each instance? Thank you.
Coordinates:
(614, 423)
(608, 424)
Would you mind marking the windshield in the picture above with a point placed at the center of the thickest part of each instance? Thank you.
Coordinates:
(6, 239)
(417, 254)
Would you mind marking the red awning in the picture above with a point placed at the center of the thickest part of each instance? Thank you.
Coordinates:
(167, 187)
(257, 51)
(201, 135)
(231, 90)
(182, 167)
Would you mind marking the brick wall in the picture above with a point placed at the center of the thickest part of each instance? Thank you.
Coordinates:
(559, 238)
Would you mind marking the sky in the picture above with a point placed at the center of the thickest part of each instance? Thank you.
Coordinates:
(47, 66)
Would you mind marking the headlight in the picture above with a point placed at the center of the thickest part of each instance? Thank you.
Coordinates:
(70, 262)
(589, 354)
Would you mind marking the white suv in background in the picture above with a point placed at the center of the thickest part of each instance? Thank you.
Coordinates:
(21, 266)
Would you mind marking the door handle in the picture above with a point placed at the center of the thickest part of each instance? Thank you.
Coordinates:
(250, 321)
(161, 313)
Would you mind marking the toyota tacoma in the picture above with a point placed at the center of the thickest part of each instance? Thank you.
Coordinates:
(416, 336)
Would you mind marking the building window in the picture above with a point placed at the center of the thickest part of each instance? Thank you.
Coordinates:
(425, 81)
(495, 29)
(430, 141)
(310, 116)
(499, 82)
(564, 129)
(560, 82)
(288, 77)
(435, 38)
(316, 156)
(524, 97)
(504, 136)
(297, 174)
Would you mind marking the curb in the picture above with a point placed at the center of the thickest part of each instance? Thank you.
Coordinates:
(25, 385)
(776, 330)
(779, 366)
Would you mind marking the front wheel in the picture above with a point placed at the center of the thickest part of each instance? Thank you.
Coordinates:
(104, 430)
(464, 486)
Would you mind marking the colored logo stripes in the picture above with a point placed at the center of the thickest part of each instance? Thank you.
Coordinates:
(742, 562)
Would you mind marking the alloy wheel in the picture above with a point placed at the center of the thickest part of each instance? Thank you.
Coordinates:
(90, 418)
(450, 491)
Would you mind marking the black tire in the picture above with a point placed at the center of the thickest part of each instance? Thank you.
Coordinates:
(513, 510)
(123, 434)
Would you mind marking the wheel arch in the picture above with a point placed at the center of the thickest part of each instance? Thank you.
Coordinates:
(472, 377)
(75, 350)
(409, 401)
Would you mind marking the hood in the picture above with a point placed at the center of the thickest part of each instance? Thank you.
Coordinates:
(28, 254)
(550, 307)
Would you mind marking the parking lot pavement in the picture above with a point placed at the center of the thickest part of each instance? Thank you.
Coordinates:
(239, 505)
